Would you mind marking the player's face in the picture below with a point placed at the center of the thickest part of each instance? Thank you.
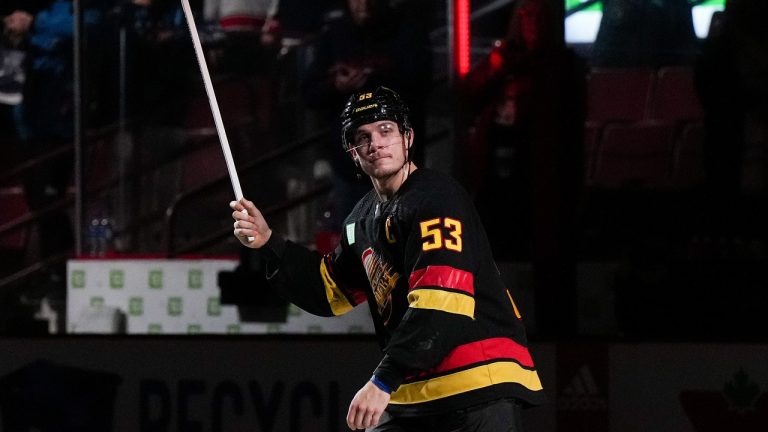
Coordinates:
(379, 148)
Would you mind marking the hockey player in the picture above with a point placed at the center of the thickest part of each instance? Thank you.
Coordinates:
(455, 350)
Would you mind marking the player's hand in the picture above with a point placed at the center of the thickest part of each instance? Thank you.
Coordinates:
(250, 226)
(366, 407)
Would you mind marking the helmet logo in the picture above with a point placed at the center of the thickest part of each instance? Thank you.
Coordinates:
(363, 108)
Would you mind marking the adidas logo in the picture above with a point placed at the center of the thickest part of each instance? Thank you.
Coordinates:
(582, 394)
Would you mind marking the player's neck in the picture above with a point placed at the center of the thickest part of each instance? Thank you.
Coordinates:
(388, 186)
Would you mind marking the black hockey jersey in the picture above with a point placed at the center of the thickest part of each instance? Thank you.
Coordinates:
(450, 329)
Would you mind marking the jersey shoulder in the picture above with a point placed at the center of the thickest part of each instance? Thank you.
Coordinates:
(434, 188)
(363, 207)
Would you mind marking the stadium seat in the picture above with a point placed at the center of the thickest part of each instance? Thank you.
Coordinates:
(14, 206)
(635, 155)
(201, 165)
(620, 94)
(674, 97)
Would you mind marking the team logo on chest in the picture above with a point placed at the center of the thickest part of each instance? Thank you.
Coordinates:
(382, 278)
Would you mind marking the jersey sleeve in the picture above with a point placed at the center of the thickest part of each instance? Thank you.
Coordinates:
(324, 285)
(442, 260)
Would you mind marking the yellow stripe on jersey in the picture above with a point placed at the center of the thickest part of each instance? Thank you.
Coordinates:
(466, 380)
(445, 301)
(338, 302)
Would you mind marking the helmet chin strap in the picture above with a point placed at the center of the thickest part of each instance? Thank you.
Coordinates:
(407, 153)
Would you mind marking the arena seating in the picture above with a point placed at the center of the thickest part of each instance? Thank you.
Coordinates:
(643, 129)
(14, 206)
(618, 94)
(674, 96)
(635, 155)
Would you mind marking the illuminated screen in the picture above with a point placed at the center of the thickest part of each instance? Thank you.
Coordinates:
(581, 25)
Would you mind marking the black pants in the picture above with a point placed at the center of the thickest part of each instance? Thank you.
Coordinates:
(497, 416)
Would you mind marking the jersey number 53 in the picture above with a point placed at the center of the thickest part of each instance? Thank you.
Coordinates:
(441, 232)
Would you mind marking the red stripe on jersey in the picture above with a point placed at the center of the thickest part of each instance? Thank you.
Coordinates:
(443, 277)
(357, 297)
(478, 352)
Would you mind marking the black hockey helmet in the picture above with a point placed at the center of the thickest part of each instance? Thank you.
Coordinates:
(370, 106)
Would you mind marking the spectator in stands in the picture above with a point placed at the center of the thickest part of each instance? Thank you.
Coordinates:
(370, 45)
(731, 81)
(17, 18)
(45, 119)
(530, 142)
(15, 25)
(504, 91)
(502, 137)
(248, 56)
(249, 26)
(16, 21)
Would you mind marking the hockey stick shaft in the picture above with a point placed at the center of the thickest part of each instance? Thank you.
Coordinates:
(212, 100)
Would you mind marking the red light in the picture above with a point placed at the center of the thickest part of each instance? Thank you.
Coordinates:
(461, 36)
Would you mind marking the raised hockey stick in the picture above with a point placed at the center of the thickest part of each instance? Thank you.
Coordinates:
(213, 102)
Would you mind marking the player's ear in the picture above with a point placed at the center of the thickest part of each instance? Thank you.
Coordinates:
(409, 137)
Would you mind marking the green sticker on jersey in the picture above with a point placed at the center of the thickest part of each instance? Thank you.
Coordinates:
(351, 233)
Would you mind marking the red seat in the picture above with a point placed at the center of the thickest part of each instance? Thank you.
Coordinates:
(14, 205)
(202, 165)
(236, 101)
(618, 94)
(635, 154)
(101, 162)
(238, 105)
(675, 98)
